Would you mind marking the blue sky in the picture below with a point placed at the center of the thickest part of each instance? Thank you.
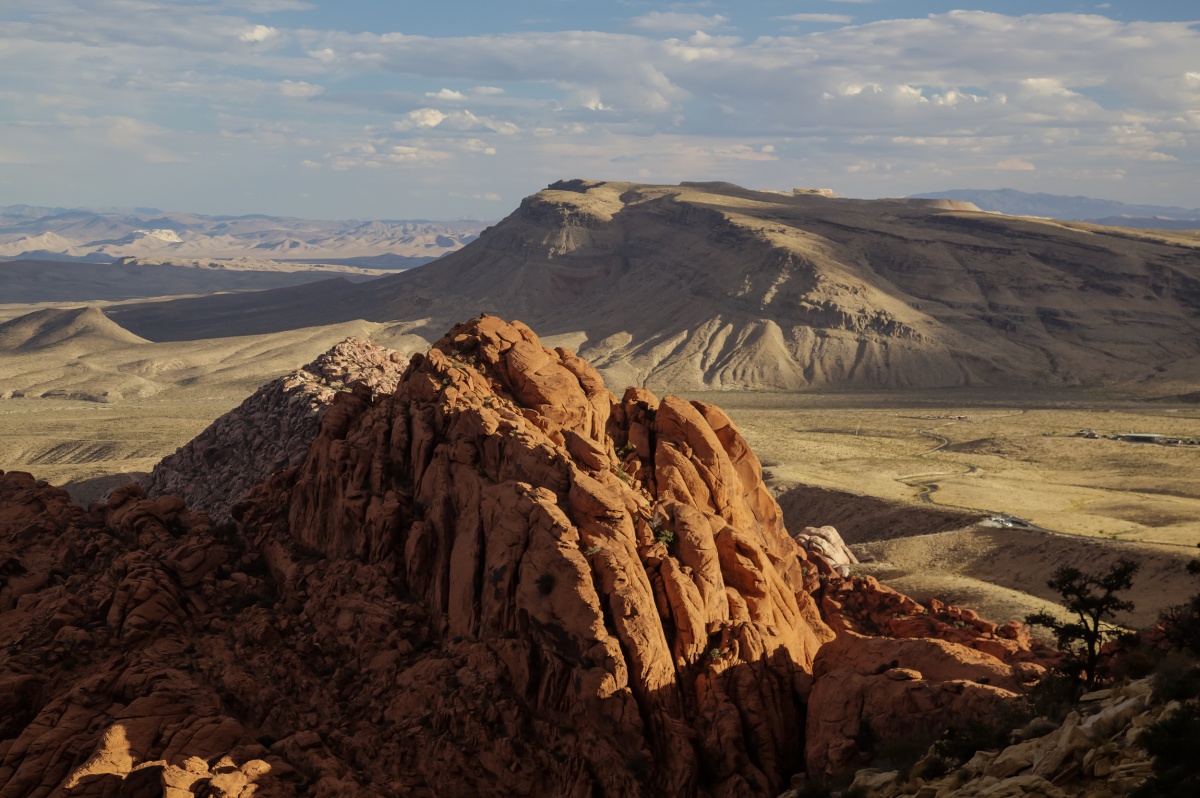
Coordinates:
(460, 108)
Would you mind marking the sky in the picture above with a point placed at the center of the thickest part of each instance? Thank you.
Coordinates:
(396, 109)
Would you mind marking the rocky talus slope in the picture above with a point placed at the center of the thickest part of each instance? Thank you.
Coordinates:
(1094, 753)
(498, 579)
(271, 430)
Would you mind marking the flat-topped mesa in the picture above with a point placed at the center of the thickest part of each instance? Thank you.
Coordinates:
(651, 596)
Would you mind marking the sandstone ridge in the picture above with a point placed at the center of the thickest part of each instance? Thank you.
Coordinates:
(497, 579)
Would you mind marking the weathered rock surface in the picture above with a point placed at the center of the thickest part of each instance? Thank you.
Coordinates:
(861, 604)
(495, 579)
(825, 542)
(1094, 753)
(271, 430)
(869, 690)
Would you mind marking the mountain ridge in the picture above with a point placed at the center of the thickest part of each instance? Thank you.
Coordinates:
(1074, 208)
(715, 286)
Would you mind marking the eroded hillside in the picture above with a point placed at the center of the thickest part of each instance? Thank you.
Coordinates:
(710, 285)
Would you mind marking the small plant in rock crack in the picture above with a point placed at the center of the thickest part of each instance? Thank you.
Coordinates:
(624, 450)
(662, 533)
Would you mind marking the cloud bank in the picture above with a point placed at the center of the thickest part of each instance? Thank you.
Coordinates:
(248, 111)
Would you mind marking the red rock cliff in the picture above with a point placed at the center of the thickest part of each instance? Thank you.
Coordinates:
(497, 580)
(652, 604)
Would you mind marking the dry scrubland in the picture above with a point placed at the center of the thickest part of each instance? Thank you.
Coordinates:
(917, 453)
(878, 456)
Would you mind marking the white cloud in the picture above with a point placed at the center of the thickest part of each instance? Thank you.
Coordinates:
(300, 88)
(677, 22)
(257, 33)
(1016, 165)
(446, 94)
(1080, 96)
(835, 18)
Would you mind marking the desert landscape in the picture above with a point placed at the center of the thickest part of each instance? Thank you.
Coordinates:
(924, 400)
(599, 400)
(917, 445)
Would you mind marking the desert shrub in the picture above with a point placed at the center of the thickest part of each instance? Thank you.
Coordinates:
(1181, 625)
(960, 743)
(1093, 599)
(901, 753)
(1134, 659)
(1173, 742)
(1177, 678)
(1054, 697)
(665, 536)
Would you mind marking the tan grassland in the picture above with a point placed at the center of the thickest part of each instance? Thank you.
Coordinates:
(1090, 500)
(903, 471)
(120, 408)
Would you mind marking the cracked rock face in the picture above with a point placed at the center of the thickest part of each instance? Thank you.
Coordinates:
(496, 579)
(271, 430)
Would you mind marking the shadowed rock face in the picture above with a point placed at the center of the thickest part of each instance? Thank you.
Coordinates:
(271, 430)
(498, 579)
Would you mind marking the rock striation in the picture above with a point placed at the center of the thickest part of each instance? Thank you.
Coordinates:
(496, 579)
(271, 430)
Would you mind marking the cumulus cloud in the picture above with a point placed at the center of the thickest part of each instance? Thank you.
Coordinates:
(677, 22)
(446, 94)
(967, 92)
(257, 33)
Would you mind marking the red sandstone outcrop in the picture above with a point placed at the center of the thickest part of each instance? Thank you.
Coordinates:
(271, 430)
(498, 579)
(863, 605)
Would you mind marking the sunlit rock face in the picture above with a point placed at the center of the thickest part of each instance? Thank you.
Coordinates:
(497, 579)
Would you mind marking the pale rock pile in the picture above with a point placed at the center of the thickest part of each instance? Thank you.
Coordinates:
(271, 430)
(1094, 753)
(825, 542)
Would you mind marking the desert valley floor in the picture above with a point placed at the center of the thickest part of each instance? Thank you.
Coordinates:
(909, 478)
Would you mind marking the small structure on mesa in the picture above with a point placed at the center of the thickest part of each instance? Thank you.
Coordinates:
(819, 192)
(1142, 437)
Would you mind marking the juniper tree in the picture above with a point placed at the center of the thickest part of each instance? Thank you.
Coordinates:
(1093, 600)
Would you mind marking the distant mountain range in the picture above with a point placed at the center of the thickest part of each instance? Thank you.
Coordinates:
(1086, 209)
(62, 234)
(709, 285)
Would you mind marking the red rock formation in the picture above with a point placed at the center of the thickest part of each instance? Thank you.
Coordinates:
(863, 605)
(497, 580)
(271, 430)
